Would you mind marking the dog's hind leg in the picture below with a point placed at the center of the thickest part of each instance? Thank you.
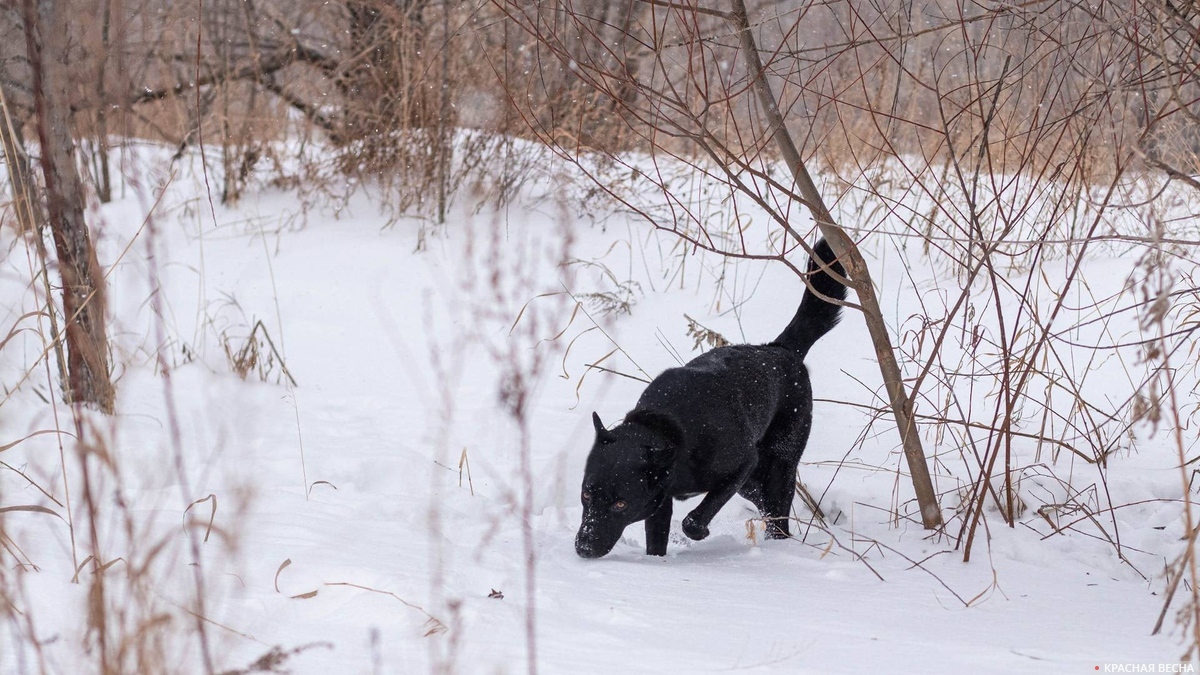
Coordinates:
(772, 499)
(658, 528)
(779, 486)
(695, 525)
(779, 456)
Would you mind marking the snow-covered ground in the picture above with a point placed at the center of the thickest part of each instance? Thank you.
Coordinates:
(346, 521)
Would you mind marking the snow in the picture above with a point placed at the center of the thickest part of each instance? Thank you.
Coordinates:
(400, 356)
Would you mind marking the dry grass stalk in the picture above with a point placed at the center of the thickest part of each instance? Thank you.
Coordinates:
(704, 337)
(257, 354)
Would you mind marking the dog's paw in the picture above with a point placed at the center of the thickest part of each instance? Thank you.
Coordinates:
(693, 529)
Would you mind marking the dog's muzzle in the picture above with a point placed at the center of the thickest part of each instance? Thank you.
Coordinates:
(591, 543)
(586, 549)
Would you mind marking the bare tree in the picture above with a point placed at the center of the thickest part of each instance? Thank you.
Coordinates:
(88, 370)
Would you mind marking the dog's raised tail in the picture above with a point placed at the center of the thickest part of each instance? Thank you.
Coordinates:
(816, 316)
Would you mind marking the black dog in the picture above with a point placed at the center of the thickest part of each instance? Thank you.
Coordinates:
(733, 420)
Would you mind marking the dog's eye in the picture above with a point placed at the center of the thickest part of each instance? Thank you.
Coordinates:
(586, 496)
(619, 506)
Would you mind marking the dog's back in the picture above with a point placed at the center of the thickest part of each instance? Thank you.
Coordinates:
(753, 381)
(725, 403)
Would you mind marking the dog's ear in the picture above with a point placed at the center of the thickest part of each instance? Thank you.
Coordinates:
(602, 435)
(664, 426)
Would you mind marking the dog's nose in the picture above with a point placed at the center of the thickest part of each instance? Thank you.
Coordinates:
(586, 548)
(586, 551)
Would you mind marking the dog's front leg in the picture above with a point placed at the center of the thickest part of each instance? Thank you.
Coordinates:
(695, 525)
(658, 528)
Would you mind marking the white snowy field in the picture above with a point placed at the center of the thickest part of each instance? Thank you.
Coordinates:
(346, 526)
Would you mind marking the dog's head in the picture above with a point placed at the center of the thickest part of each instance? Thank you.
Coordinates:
(626, 479)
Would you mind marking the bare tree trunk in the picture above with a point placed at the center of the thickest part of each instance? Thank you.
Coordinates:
(445, 122)
(82, 280)
(104, 180)
(856, 266)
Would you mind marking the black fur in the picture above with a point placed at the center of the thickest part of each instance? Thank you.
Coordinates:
(733, 420)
